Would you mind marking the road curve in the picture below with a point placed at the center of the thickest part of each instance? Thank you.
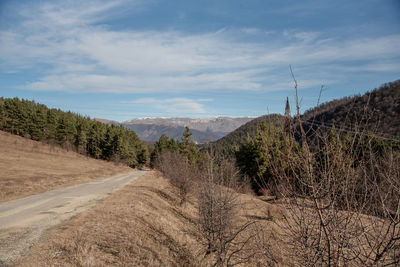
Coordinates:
(22, 221)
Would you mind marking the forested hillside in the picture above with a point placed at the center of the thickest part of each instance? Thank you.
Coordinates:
(72, 131)
(228, 144)
(377, 111)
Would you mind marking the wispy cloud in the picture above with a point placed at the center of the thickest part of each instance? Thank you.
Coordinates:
(73, 52)
(179, 105)
(303, 8)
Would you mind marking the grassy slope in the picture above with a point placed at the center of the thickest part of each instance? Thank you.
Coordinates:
(144, 225)
(141, 225)
(29, 167)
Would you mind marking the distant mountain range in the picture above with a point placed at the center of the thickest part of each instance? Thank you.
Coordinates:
(203, 129)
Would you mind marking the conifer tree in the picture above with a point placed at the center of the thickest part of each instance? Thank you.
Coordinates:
(287, 108)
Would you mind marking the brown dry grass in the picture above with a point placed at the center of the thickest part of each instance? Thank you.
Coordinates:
(144, 225)
(29, 167)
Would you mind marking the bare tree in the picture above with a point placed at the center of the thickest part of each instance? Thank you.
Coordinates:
(176, 168)
(225, 241)
(381, 230)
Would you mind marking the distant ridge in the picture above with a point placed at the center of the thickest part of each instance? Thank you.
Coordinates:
(203, 129)
(215, 124)
(152, 132)
(109, 122)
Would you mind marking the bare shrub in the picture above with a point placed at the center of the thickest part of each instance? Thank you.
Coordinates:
(382, 235)
(341, 192)
(346, 211)
(176, 168)
(216, 184)
(264, 243)
(52, 145)
(218, 205)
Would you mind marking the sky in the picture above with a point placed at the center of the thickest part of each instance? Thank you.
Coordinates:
(127, 59)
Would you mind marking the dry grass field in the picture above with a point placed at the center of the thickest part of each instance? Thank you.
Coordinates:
(144, 225)
(29, 167)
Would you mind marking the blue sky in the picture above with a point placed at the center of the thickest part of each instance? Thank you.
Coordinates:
(149, 58)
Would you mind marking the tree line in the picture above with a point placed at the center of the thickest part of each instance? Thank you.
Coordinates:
(72, 131)
(186, 147)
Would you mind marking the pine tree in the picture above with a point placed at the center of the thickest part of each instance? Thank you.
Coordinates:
(287, 125)
(188, 148)
(287, 108)
(37, 124)
(255, 156)
(163, 144)
(81, 136)
(51, 124)
(186, 136)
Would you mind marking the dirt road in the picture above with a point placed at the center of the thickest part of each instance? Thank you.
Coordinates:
(23, 221)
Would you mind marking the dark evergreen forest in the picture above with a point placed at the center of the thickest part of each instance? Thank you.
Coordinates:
(72, 131)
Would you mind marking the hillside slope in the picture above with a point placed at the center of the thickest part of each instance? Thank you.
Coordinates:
(376, 111)
(144, 225)
(70, 130)
(30, 167)
(227, 144)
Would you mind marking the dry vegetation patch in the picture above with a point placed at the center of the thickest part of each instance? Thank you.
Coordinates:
(144, 224)
(138, 225)
(30, 167)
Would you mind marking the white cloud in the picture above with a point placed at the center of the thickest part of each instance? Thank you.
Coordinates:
(83, 56)
(179, 105)
(303, 37)
(252, 31)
